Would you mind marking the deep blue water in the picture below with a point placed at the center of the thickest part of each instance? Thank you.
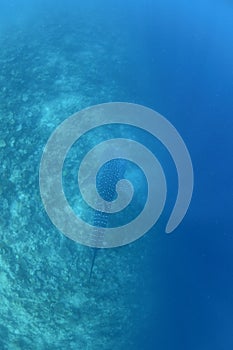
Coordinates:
(163, 291)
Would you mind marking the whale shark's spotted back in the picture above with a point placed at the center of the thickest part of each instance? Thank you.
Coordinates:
(106, 182)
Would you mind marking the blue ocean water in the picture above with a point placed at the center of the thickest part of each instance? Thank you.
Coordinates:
(162, 291)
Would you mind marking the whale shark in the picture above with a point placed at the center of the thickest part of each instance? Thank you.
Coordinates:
(107, 178)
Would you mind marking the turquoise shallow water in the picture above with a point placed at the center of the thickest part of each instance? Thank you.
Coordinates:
(160, 292)
(52, 67)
